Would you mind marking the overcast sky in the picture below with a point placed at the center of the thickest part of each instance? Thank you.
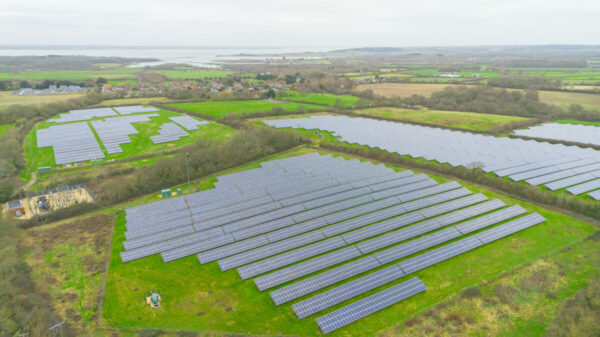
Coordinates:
(304, 23)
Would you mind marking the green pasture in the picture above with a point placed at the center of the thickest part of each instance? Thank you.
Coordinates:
(488, 74)
(7, 99)
(201, 298)
(320, 98)
(452, 119)
(131, 83)
(220, 109)
(4, 128)
(565, 99)
(565, 121)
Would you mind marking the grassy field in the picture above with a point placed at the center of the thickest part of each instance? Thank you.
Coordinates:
(4, 128)
(565, 99)
(7, 99)
(68, 263)
(131, 83)
(564, 121)
(520, 303)
(129, 101)
(318, 98)
(202, 298)
(223, 108)
(140, 143)
(192, 74)
(453, 119)
(404, 89)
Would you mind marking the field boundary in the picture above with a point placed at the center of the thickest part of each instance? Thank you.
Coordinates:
(556, 141)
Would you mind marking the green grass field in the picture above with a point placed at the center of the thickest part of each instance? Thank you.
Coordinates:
(452, 119)
(319, 98)
(565, 99)
(7, 99)
(4, 128)
(202, 298)
(129, 101)
(141, 143)
(223, 108)
(192, 74)
(564, 121)
(114, 73)
(131, 83)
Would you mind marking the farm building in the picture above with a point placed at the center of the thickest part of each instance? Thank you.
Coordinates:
(15, 207)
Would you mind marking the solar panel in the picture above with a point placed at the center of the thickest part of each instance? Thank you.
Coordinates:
(586, 187)
(169, 132)
(440, 254)
(322, 280)
(444, 146)
(585, 134)
(427, 226)
(305, 268)
(490, 219)
(346, 291)
(369, 305)
(595, 195)
(232, 249)
(132, 109)
(510, 228)
(269, 250)
(574, 180)
(83, 115)
(188, 122)
(290, 257)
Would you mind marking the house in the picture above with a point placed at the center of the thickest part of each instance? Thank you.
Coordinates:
(15, 207)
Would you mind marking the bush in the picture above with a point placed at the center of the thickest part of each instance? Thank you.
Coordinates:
(471, 292)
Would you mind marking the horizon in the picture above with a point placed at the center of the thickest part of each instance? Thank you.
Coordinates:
(316, 23)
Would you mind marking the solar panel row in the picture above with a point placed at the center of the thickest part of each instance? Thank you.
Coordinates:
(319, 281)
(353, 288)
(369, 305)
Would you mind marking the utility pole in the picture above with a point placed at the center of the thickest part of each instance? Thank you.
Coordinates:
(187, 164)
(298, 128)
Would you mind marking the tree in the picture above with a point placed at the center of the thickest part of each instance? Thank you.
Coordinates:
(269, 94)
(101, 81)
(24, 84)
(290, 79)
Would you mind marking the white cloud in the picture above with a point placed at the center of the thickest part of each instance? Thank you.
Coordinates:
(333, 23)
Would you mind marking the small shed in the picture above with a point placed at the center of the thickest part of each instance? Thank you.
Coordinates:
(15, 207)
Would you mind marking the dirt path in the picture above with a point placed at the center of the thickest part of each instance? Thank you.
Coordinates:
(31, 181)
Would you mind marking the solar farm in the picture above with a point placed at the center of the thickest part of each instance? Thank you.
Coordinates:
(319, 232)
(72, 136)
(555, 166)
(584, 134)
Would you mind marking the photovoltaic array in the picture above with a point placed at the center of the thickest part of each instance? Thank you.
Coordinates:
(169, 132)
(71, 143)
(319, 224)
(555, 165)
(188, 122)
(76, 142)
(585, 134)
(133, 109)
(115, 131)
(83, 115)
